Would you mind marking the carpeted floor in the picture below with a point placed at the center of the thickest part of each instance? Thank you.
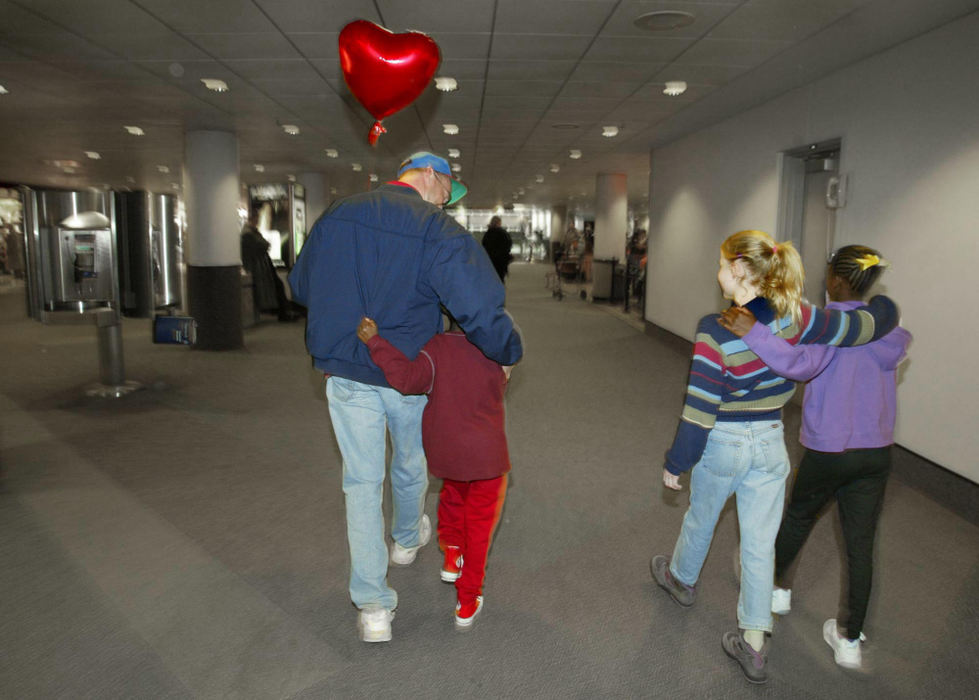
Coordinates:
(188, 540)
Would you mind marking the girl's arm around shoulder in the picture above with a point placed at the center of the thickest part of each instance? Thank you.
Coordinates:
(848, 328)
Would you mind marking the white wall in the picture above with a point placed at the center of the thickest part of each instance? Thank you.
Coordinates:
(909, 123)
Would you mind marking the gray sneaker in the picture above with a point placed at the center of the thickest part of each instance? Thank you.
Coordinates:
(683, 594)
(752, 662)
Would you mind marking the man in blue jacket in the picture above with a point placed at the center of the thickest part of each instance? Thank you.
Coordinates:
(394, 256)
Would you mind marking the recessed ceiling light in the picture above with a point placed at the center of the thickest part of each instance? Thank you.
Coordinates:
(174, 185)
(539, 178)
(290, 129)
(554, 167)
(162, 168)
(134, 130)
(454, 153)
(130, 179)
(574, 154)
(450, 129)
(663, 20)
(69, 170)
(456, 167)
(610, 131)
(331, 152)
(372, 177)
(259, 168)
(357, 167)
(520, 190)
(3, 90)
(94, 155)
(674, 88)
(333, 190)
(291, 178)
(446, 84)
(215, 84)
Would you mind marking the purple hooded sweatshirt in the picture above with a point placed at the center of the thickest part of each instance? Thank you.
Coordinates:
(851, 399)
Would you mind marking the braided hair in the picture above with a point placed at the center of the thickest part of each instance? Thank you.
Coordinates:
(858, 266)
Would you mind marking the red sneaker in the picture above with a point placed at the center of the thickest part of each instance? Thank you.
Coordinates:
(452, 567)
(466, 614)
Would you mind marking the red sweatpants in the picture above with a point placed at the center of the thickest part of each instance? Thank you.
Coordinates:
(468, 514)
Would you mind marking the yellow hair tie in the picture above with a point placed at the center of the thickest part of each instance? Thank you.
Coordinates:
(867, 261)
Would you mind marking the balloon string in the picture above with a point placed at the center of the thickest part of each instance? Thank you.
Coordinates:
(375, 133)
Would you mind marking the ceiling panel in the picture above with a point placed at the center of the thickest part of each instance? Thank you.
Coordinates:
(206, 16)
(462, 46)
(316, 44)
(552, 47)
(317, 15)
(502, 69)
(734, 52)
(605, 90)
(158, 46)
(56, 46)
(637, 49)
(432, 16)
(552, 16)
(252, 46)
(623, 71)
(96, 16)
(788, 20)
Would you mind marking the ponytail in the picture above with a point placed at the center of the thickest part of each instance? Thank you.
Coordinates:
(775, 267)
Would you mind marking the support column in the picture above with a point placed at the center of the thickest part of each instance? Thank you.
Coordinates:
(317, 196)
(559, 226)
(213, 251)
(611, 216)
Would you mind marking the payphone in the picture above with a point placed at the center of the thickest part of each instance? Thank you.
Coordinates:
(71, 271)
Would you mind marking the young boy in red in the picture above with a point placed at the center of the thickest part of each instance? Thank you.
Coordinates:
(465, 444)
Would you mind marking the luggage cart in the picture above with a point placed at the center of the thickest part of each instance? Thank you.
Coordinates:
(564, 268)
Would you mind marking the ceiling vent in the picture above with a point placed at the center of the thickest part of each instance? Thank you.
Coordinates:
(663, 20)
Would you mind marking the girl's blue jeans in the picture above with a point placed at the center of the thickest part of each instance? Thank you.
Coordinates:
(749, 460)
(361, 415)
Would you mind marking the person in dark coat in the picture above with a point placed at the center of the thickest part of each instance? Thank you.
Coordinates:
(268, 291)
(498, 243)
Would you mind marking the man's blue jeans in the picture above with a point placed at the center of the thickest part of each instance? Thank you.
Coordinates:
(360, 413)
(749, 460)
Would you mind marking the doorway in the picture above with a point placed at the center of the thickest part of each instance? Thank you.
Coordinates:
(810, 191)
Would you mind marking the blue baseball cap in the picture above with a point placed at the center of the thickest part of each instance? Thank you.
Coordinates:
(423, 159)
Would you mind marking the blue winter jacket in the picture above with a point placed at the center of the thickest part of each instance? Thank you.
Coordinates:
(393, 257)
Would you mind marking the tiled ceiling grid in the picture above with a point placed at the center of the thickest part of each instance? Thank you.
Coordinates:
(78, 70)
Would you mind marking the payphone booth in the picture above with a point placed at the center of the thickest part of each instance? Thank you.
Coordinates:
(281, 209)
(72, 274)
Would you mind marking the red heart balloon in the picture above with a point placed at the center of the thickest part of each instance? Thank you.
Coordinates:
(385, 71)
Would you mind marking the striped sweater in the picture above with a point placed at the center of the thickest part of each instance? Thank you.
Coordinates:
(728, 382)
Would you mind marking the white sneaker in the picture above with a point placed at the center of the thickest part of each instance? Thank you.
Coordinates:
(845, 651)
(402, 556)
(781, 600)
(374, 623)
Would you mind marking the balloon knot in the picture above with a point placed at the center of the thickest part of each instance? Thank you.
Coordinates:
(376, 130)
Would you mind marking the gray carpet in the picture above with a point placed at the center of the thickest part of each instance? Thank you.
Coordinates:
(188, 540)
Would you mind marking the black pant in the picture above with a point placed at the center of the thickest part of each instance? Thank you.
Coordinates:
(857, 478)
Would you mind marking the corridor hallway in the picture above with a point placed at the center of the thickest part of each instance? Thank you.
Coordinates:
(188, 540)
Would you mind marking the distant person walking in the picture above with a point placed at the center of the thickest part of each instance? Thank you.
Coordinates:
(498, 245)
